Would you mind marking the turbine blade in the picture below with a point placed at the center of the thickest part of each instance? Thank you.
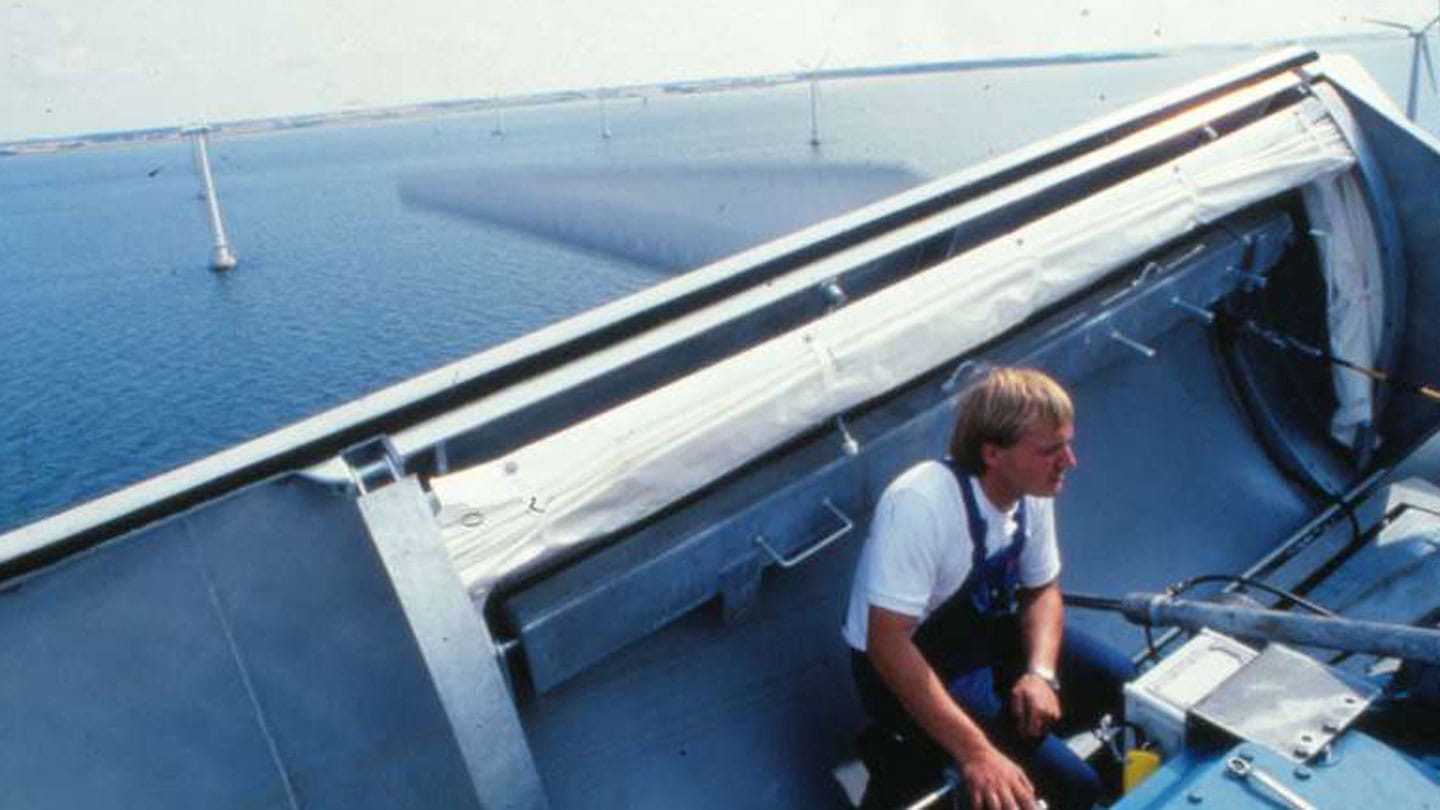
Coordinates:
(1429, 65)
(1388, 23)
(670, 218)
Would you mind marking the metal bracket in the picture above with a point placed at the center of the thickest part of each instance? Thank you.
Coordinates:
(456, 646)
(373, 465)
(740, 588)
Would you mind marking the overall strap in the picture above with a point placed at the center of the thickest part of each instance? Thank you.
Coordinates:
(978, 527)
(988, 590)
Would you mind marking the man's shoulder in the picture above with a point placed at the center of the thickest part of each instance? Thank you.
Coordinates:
(924, 476)
(928, 486)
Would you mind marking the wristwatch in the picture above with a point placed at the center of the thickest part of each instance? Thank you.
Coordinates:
(1047, 675)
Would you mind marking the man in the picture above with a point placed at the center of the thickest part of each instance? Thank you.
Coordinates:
(956, 619)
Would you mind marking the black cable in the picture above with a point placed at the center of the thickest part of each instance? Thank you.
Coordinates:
(1228, 327)
(1186, 584)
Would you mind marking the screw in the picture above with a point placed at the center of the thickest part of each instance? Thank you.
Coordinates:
(1194, 797)
(1302, 773)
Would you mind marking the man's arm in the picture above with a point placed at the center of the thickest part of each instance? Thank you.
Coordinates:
(1042, 621)
(992, 779)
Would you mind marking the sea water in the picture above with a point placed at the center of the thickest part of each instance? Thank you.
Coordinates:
(124, 356)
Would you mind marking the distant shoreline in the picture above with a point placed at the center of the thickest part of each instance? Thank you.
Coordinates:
(400, 112)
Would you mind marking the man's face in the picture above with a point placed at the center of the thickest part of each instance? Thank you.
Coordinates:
(1034, 465)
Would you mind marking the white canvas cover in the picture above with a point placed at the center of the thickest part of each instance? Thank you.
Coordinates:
(607, 472)
(1350, 259)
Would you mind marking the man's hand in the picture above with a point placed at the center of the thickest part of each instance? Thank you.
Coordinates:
(1035, 704)
(996, 783)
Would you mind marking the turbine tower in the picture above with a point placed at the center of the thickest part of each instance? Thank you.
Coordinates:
(813, 74)
(221, 255)
(814, 110)
(1421, 50)
(499, 128)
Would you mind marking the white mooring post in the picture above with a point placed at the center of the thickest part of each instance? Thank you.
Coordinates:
(222, 257)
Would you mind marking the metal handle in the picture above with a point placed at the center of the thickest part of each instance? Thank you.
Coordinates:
(1131, 343)
(846, 526)
(1246, 771)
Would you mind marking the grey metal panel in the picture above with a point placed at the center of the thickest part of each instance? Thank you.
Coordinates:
(119, 689)
(706, 715)
(1171, 482)
(456, 646)
(247, 654)
(569, 621)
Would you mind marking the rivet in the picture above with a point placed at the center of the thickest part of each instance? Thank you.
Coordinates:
(1302, 773)
(1194, 797)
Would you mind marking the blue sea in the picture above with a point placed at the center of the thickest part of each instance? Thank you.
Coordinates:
(124, 356)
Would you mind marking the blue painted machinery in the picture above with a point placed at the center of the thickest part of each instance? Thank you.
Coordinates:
(287, 624)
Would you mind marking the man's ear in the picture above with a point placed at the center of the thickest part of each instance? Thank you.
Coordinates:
(989, 453)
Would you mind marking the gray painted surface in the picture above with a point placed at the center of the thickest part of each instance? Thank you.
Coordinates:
(248, 654)
(458, 652)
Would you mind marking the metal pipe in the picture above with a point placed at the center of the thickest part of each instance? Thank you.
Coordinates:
(1351, 635)
(1085, 600)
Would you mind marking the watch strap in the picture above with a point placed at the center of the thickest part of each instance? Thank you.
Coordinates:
(1047, 675)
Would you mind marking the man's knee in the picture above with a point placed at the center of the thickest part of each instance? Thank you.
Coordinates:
(1064, 779)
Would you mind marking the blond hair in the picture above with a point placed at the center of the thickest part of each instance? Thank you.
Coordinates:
(1001, 407)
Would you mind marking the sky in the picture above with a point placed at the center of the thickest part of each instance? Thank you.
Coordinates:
(74, 66)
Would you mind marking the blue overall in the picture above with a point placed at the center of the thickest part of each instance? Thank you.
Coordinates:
(974, 644)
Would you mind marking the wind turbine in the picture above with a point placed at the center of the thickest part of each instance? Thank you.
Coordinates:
(604, 115)
(814, 75)
(1420, 36)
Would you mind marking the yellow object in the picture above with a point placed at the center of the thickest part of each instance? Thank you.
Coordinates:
(1138, 765)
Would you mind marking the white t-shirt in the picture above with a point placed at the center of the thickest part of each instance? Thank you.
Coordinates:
(919, 550)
